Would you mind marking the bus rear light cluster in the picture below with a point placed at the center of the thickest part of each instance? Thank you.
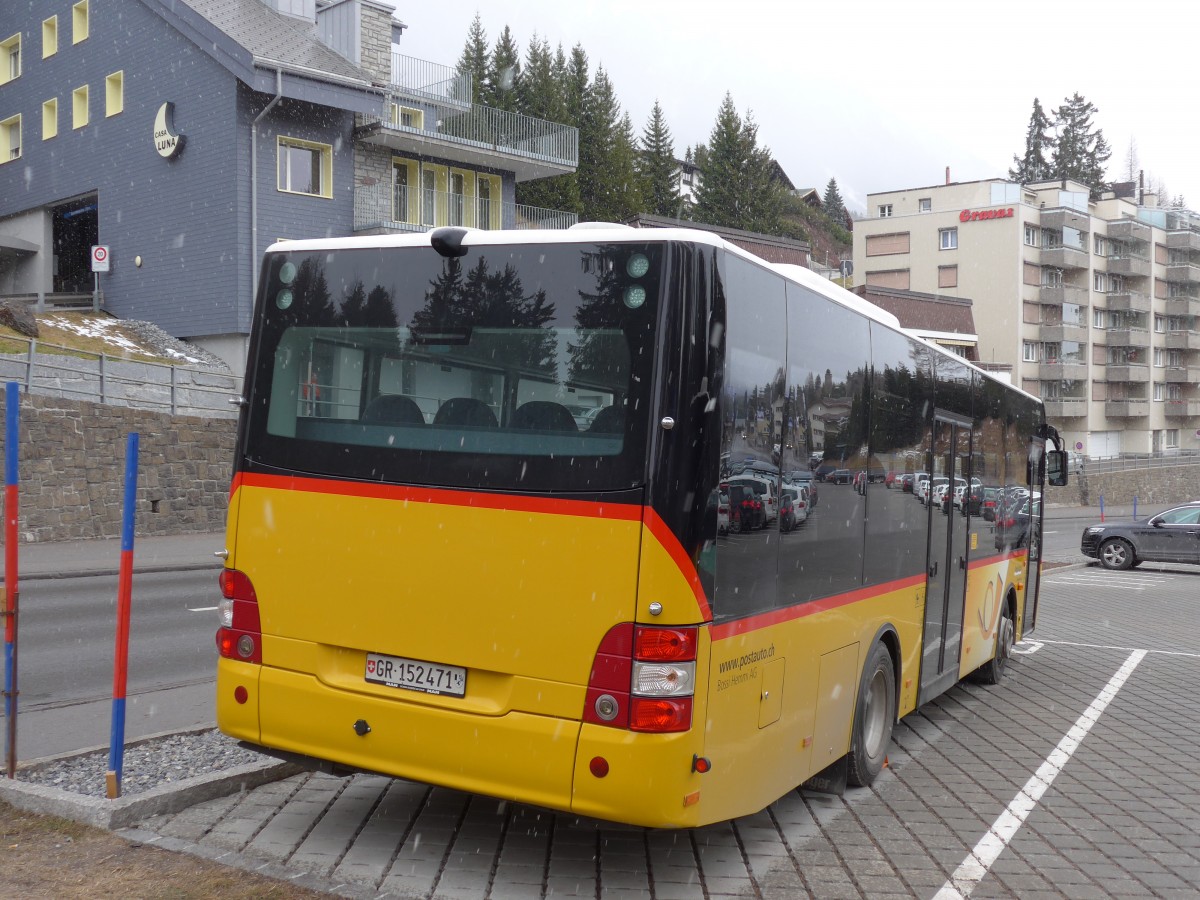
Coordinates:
(240, 634)
(643, 679)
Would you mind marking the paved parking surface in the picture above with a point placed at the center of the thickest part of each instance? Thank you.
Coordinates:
(1078, 777)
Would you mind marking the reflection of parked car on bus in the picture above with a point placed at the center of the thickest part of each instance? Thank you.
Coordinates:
(839, 476)
(745, 510)
(764, 489)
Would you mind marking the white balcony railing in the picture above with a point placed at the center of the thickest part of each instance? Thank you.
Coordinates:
(402, 208)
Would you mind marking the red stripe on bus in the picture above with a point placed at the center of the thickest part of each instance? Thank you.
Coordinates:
(687, 566)
(810, 608)
(584, 508)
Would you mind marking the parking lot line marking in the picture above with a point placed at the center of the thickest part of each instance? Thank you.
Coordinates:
(1184, 653)
(972, 870)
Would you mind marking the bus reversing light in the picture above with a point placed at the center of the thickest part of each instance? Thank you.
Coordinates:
(240, 634)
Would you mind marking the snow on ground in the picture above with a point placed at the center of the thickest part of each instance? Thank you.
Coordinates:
(150, 338)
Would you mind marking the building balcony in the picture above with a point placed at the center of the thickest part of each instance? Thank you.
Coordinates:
(1058, 294)
(1130, 265)
(1064, 257)
(1183, 273)
(1129, 230)
(1182, 374)
(1063, 331)
(1058, 370)
(1062, 217)
(1128, 337)
(1128, 374)
(1183, 340)
(430, 112)
(1183, 240)
(1182, 306)
(1132, 301)
(1066, 407)
(1181, 409)
(1126, 409)
(384, 210)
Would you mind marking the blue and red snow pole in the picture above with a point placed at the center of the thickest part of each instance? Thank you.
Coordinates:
(116, 749)
(12, 409)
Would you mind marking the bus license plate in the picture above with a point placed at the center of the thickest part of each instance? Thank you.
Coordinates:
(416, 675)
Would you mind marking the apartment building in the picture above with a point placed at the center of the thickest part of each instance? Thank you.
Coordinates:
(186, 136)
(1092, 304)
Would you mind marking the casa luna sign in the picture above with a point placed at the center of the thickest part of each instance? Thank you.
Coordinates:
(975, 215)
(166, 141)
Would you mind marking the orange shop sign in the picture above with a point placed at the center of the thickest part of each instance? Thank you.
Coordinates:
(975, 215)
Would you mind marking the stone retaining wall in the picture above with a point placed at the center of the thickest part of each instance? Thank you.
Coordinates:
(1158, 485)
(72, 470)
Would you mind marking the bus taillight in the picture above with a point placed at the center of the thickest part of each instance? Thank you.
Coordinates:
(643, 679)
(240, 634)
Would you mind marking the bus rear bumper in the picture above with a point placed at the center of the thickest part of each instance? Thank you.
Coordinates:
(518, 756)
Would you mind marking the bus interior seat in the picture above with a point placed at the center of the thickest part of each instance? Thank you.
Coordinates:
(610, 420)
(465, 411)
(392, 409)
(544, 415)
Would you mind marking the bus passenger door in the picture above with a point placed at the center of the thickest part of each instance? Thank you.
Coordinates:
(946, 570)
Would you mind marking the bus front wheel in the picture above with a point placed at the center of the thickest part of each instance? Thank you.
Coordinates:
(874, 717)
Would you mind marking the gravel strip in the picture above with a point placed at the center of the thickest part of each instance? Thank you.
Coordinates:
(145, 765)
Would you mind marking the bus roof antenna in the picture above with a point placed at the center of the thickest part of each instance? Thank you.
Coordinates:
(448, 241)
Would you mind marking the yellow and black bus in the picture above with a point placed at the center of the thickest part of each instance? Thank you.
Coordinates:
(474, 538)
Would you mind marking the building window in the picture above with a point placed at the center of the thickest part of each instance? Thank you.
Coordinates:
(10, 58)
(1099, 318)
(948, 238)
(1159, 360)
(887, 244)
(305, 167)
(1160, 324)
(1099, 282)
(79, 107)
(114, 93)
(488, 188)
(10, 139)
(407, 117)
(1031, 236)
(885, 210)
(50, 36)
(1029, 351)
(947, 276)
(1101, 245)
(1172, 438)
(49, 118)
(925, 204)
(79, 22)
(1160, 391)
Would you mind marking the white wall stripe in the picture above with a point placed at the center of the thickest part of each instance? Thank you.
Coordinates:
(973, 869)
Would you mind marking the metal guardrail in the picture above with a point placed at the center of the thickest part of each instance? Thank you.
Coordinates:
(54, 370)
(1138, 461)
(43, 300)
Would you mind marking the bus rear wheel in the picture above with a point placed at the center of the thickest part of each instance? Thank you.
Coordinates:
(874, 717)
(993, 670)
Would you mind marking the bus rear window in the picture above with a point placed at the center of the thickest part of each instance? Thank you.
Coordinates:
(514, 367)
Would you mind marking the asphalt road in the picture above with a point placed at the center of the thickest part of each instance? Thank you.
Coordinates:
(67, 647)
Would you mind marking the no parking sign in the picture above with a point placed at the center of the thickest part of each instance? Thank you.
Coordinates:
(100, 258)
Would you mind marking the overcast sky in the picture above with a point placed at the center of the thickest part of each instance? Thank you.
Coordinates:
(879, 95)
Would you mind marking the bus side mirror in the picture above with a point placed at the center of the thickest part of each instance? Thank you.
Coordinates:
(1056, 467)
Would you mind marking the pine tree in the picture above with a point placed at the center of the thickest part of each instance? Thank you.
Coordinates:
(1033, 166)
(1131, 168)
(541, 95)
(504, 74)
(1080, 152)
(721, 164)
(474, 61)
(657, 167)
(834, 205)
(738, 187)
(607, 179)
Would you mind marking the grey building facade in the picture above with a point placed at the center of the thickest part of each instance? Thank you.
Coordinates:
(186, 136)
